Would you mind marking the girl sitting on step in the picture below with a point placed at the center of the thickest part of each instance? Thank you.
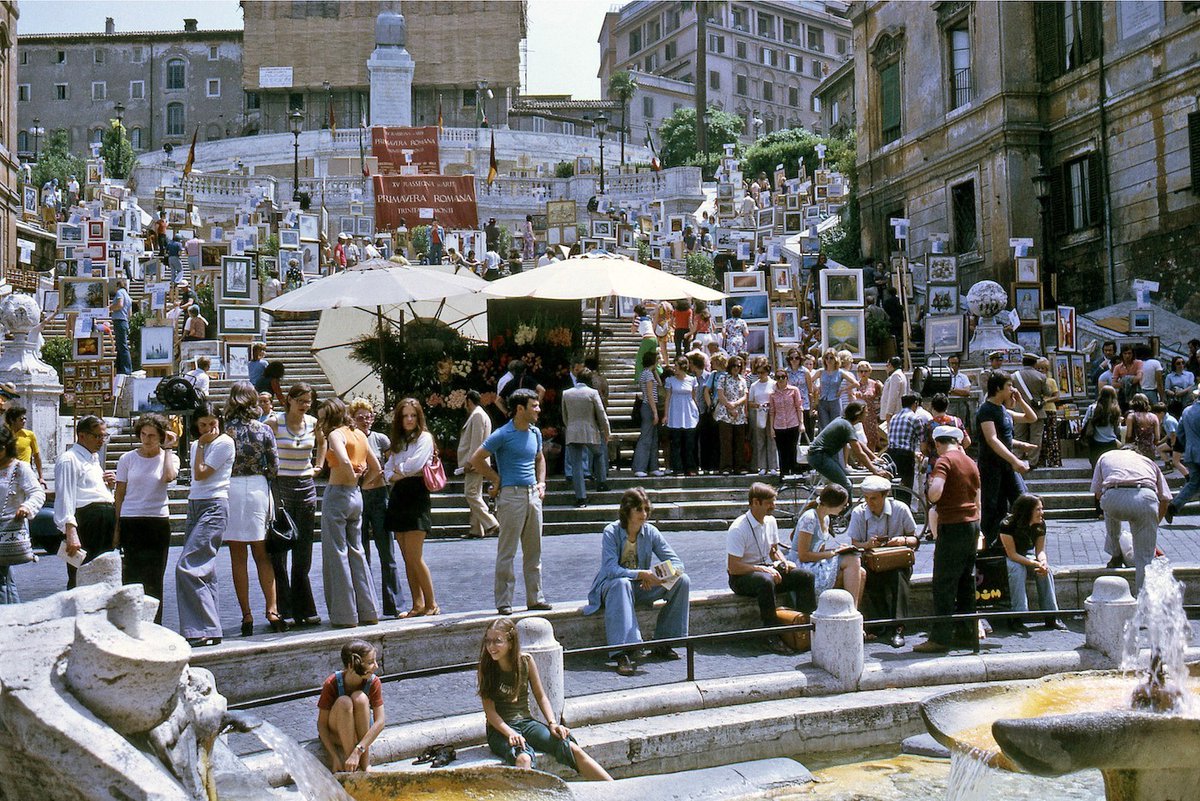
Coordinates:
(505, 678)
(350, 709)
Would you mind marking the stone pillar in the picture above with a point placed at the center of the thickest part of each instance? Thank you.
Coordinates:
(537, 640)
(36, 382)
(1110, 609)
(837, 638)
(390, 68)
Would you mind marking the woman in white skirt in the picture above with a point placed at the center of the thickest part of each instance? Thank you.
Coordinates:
(255, 463)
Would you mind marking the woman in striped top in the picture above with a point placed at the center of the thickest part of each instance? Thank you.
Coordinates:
(300, 445)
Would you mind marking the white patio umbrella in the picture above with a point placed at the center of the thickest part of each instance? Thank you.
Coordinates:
(374, 284)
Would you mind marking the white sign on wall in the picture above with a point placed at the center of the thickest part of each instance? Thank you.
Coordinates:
(275, 77)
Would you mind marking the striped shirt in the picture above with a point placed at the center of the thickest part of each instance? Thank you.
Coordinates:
(295, 452)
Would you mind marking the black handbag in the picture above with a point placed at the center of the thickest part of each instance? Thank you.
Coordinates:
(635, 415)
(282, 532)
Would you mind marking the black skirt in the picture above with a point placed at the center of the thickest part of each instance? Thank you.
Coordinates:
(408, 506)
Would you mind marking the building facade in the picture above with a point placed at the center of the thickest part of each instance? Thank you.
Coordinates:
(312, 57)
(168, 82)
(10, 190)
(763, 59)
(1073, 123)
(835, 101)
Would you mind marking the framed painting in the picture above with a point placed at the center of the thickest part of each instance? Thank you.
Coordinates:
(29, 201)
(943, 270)
(943, 299)
(1030, 341)
(602, 228)
(1027, 271)
(237, 361)
(1062, 373)
(83, 294)
(172, 194)
(944, 335)
(1066, 328)
(1078, 375)
(1048, 317)
(363, 226)
(87, 348)
(50, 302)
(144, 399)
(785, 324)
(237, 277)
(310, 228)
(1141, 321)
(745, 282)
(211, 254)
(68, 234)
(97, 230)
(844, 329)
(1028, 300)
(189, 351)
(765, 218)
(177, 217)
(289, 238)
(237, 320)
(158, 346)
(757, 340)
(781, 278)
(310, 257)
(842, 287)
(755, 308)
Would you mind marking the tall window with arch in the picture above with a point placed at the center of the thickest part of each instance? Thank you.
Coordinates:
(176, 74)
(175, 119)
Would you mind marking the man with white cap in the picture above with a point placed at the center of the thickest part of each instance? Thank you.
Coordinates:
(954, 488)
(880, 521)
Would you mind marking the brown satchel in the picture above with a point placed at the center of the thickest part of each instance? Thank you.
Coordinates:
(888, 558)
(799, 640)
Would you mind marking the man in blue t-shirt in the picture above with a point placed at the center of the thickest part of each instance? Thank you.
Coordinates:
(518, 485)
(1000, 469)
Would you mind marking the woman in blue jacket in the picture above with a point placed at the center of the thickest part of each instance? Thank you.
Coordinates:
(629, 549)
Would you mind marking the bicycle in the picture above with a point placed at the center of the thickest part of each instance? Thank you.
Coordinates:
(796, 492)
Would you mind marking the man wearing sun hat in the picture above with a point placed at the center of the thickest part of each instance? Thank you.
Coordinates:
(877, 522)
(8, 392)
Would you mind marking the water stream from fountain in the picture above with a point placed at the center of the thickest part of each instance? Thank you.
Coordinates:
(313, 780)
(1160, 626)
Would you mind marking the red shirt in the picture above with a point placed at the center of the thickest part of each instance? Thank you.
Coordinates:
(683, 318)
(329, 692)
(958, 501)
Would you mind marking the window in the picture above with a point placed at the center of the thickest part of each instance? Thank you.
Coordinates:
(295, 101)
(742, 85)
(213, 52)
(98, 56)
(815, 103)
(468, 98)
(889, 102)
(740, 18)
(60, 57)
(1067, 35)
(816, 39)
(95, 136)
(769, 124)
(653, 31)
(22, 92)
(794, 62)
(137, 90)
(635, 41)
(959, 41)
(137, 54)
(135, 138)
(252, 101)
(766, 26)
(99, 90)
(176, 74)
(791, 32)
(647, 106)
(651, 62)
(671, 18)
(175, 122)
(539, 125)
(768, 91)
(768, 56)
(214, 88)
(670, 51)
(24, 57)
(716, 43)
(818, 69)
(741, 50)
(835, 112)
(1079, 202)
(60, 92)
(714, 79)
(793, 96)
(569, 128)
(842, 45)
(22, 141)
(962, 208)
(212, 131)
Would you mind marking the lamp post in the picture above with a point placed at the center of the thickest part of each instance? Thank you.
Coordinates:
(296, 121)
(328, 103)
(601, 126)
(707, 137)
(1041, 189)
(38, 132)
(119, 110)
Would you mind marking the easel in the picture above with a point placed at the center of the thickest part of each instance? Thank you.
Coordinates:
(900, 226)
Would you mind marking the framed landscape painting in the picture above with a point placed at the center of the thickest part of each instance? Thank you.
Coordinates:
(841, 287)
(237, 320)
(158, 346)
(944, 335)
(755, 308)
(844, 329)
(237, 277)
(745, 283)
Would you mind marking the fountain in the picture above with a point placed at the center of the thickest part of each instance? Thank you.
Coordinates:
(1138, 731)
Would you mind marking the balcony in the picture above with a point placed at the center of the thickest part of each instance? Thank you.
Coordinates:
(961, 89)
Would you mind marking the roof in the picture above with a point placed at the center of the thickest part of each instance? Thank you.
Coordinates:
(836, 77)
(1173, 331)
(117, 36)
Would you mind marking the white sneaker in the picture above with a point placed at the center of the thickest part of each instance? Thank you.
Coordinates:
(660, 472)
(762, 472)
(639, 474)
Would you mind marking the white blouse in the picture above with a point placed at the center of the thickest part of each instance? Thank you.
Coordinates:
(411, 460)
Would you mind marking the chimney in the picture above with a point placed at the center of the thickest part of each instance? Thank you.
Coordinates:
(189, 25)
(109, 27)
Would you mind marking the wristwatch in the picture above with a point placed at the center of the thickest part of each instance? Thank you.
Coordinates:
(359, 748)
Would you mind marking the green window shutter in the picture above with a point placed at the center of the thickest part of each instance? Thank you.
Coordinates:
(889, 96)
(1194, 149)
(1095, 189)
(1046, 22)
(1089, 15)
(1058, 199)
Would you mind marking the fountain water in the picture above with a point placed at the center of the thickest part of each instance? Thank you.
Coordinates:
(1140, 736)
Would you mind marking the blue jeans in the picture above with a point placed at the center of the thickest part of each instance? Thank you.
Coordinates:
(828, 411)
(683, 450)
(8, 586)
(375, 530)
(121, 335)
(620, 616)
(645, 454)
(176, 269)
(577, 463)
(1189, 490)
(1017, 575)
(537, 738)
(568, 469)
(829, 467)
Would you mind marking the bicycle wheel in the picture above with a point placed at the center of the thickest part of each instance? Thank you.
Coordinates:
(792, 496)
(914, 501)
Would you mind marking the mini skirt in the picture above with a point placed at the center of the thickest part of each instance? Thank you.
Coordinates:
(409, 506)
(248, 503)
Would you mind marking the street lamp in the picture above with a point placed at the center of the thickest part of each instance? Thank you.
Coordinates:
(1042, 191)
(328, 103)
(296, 121)
(601, 126)
(119, 110)
(38, 131)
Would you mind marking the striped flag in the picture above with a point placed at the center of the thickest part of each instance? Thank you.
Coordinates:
(492, 170)
(655, 164)
(332, 117)
(191, 159)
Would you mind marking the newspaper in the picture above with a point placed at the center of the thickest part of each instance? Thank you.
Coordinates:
(666, 572)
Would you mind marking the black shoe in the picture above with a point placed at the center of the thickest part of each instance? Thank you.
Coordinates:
(428, 754)
(663, 652)
(602, 487)
(1054, 624)
(444, 756)
(1018, 627)
(625, 665)
(1116, 562)
(201, 642)
(504, 610)
(1170, 515)
(896, 640)
(581, 504)
(539, 607)
(247, 627)
(777, 646)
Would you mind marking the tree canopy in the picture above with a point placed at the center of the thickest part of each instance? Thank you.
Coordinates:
(56, 160)
(117, 151)
(678, 137)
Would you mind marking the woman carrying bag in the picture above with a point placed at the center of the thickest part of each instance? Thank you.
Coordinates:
(23, 498)
(409, 507)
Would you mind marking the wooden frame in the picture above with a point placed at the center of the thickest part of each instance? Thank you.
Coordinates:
(211, 254)
(158, 346)
(1027, 298)
(1030, 340)
(232, 320)
(844, 329)
(87, 348)
(842, 287)
(944, 334)
(81, 293)
(745, 283)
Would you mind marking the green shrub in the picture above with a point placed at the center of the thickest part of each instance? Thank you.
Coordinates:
(700, 269)
(419, 236)
(564, 169)
(55, 351)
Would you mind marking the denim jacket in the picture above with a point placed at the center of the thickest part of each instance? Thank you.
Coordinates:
(650, 543)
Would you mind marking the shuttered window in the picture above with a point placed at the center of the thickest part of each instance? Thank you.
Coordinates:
(1194, 149)
(889, 102)
(1067, 36)
(1076, 194)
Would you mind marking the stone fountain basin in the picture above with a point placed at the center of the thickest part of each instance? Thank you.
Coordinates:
(486, 783)
(1061, 724)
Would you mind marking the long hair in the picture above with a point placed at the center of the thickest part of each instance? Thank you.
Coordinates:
(489, 669)
(400, 437)
(1108, 410)
(1020, 514)
(634, 498)
(831, 495)
(355, 654)
(242, 403)
(332, 415)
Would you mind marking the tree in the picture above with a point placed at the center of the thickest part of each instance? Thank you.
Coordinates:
(117, 152)
(678, 137)
(621, 86)
(57, 161)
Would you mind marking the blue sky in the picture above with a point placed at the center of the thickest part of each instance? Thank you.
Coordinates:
(563, 54)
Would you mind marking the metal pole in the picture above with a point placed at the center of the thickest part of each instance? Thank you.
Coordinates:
(295, 166)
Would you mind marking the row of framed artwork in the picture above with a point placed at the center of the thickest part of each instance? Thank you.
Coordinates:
(945, 334)
(839, 287)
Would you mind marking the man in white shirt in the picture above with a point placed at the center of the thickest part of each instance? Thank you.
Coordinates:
(544, 259)
(199, 376)
(477, 428)
(894, 388)
(83, 502)
(1152, 376)
(756, 565)
(960, 385)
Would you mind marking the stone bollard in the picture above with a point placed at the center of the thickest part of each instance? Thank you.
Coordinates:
(1110, 608)
(837, 639)
(537, 640)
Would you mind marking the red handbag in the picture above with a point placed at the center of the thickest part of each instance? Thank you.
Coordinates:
(434, 474)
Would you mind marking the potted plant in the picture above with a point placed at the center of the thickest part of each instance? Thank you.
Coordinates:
(879, 334)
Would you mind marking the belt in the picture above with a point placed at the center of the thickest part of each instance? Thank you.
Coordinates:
(1128, 486)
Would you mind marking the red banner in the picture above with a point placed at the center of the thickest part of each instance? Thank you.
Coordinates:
(416, 197)
(389, 143)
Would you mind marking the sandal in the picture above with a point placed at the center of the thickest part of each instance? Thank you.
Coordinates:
(247, 625)
(433, 610)
(411, 613)
(278, 624)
